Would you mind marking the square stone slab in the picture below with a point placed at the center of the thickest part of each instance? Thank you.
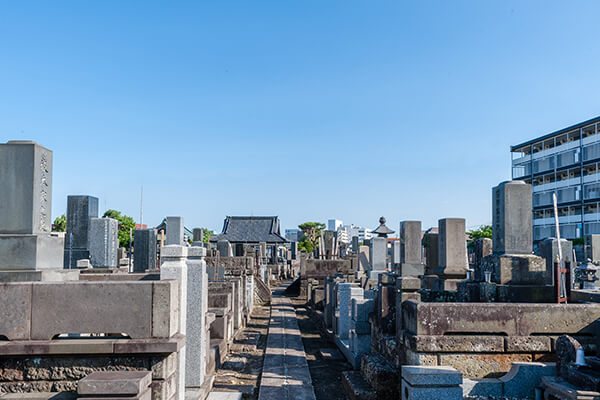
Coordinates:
(431, 376)
(115, 382)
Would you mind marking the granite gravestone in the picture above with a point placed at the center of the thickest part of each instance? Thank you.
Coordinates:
(26, 241)
(104, 241)
(224, 248)
(355, 244)
(198, 237)
(174, 231)
(592, 248)
(80, 210)
(512, 218)
(411, 263)
(144, 241)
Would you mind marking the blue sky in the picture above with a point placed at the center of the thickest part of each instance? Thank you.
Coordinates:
(304, 109)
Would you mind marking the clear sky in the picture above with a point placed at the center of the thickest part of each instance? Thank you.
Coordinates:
(308, 110)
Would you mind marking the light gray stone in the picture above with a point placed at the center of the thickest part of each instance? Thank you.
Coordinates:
(452, 247)
(31, 252)
(428, 393)
(410, 242)
(345, 293)
(431, 375)
(592, 248)
(104, 241)
(512, 218)
(89, 307)
(174, 231)
(378, 254)
(173, 266)
(114, 383)
(25, 188)
(15, 313)
(196, 338)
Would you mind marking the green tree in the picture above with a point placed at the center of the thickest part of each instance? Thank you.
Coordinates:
(484, 231)
(207, 234)
(312, 232)
(125, 224)
(306, 245)
(60, 224)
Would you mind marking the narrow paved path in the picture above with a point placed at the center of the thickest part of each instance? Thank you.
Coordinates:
(285, 373)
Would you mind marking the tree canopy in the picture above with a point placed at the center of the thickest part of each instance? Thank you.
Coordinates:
(312, 231)
(484, 231)
(125, 224)
(60, 224)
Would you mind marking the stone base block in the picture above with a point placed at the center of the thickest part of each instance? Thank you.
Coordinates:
(31, 252)
(411, 270)
(356, 388)
(518, 269)
(115, 383)
(427, 393)
(49, 275)
(76, 255)
(450, 285)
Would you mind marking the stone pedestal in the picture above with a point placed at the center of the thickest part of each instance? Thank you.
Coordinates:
(520, 269)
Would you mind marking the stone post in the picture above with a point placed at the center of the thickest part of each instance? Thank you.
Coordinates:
(173, 266)
(197, 307)
(411, 261)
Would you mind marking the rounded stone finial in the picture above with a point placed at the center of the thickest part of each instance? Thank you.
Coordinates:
(382, 220)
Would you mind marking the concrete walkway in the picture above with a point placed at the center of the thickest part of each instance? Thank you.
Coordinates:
(285, 373)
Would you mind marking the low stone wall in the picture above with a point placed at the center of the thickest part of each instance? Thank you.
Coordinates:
(482, 340)
(57, 365)
(41, 311)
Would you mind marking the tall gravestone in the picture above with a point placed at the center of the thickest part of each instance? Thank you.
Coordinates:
(431, 246)
(104, 241)
(549, 251)
(240, 250)
(512, 218)
(26, 241)
(198, 237)
(224, 248)
(592, 248)
(80, 210)
(377, 257)
(174, 231)
(144, 241)
(411, 262)
(294, 249)
(355, 244)
(452, 253)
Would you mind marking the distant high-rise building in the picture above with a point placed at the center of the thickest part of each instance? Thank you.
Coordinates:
(334, 224)
(293, 235)
(565, 163)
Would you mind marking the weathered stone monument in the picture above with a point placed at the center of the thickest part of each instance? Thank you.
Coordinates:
(197, 331)
(198, 237)
(378, 250)
(512, 218)
(411, 262)
(452, 253)
(355, 244)
(224, 248)
(80, 209)
(592, 248)
(431, 247)
(144, 241)
(174, 231)
(29, 251)
(104, 241)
